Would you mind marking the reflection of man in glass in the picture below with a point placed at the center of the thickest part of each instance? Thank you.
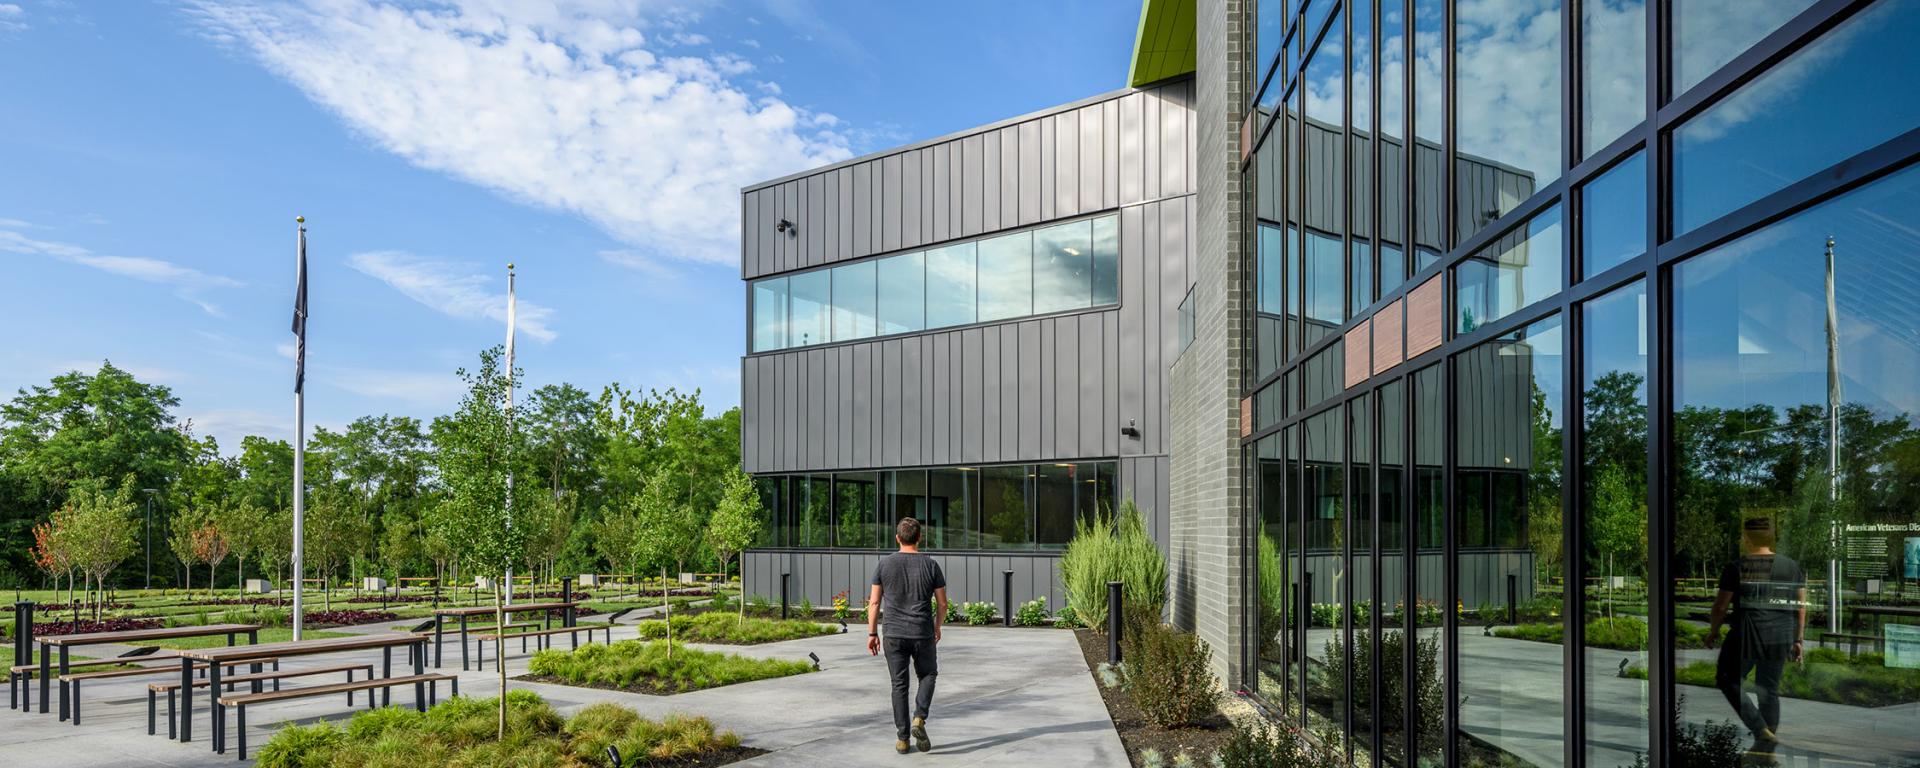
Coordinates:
(1768, 594)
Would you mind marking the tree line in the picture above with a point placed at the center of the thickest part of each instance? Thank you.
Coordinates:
(620, 482)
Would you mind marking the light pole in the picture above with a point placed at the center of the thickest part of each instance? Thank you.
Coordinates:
(147, 533)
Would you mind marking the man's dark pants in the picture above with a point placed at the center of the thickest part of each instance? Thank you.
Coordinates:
(1768, 662)
(920, 651)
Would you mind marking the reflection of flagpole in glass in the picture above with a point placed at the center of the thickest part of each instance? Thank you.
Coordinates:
(1833, 449)
(510, 443)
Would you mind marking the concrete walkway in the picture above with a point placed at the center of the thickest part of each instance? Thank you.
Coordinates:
(1005, 697)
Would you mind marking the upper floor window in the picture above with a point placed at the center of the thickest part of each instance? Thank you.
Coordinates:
(1056, 268)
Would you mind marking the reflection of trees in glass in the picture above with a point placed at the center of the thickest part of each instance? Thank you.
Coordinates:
(1615, 476)
(1009, 519)
(1543, 490)
(815, 515)
(1273, 596)
(856, 503)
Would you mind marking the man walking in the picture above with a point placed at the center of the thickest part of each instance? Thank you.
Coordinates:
(904, 585)
(1767, 594)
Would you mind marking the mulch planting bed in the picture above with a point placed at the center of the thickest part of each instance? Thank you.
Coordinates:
(1138, 735)
(722, 757)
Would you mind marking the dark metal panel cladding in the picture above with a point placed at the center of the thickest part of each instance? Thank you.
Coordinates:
(813, 233)
(830, 217)
(1029, 172)
(1029, 424)
(749, 415)
(1163, 496)
(790, 417)
(749, 242)
(1049, 163)
(939, 415)
(862, 209)
(845, 213)
(890, 197)
(1132, 340)
(1048, 371)
(1110, 154)
(938, 205)
(827, 400)
(972, 183)
(911, 202)
(1093, 163)
(956, 188)
(912, 404)
(816, 362)
(1094, 372)
(890, 402)
(1151, 147)
(1109, 423)
(1153, 421)
(1132, 159)
(1009, 177)
(863, 405)
(990, 194)
(973, 406)
(1066, 154)
(769, 401)
(791, 211)
(1066, 386)
(991, 380)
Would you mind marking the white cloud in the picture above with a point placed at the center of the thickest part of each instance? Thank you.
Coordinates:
(187, 282)
(9, 9)
(9, 18)
(641, 263)
(428, 390)
(146, 373)
(568, 106)
(229, 426)
(452, 289)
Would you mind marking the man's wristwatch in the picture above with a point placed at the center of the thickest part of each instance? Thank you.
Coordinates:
(873, 634)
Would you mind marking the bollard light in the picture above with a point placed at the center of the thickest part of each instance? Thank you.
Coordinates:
(816, 660)
(1006, 598)
(1115, 603)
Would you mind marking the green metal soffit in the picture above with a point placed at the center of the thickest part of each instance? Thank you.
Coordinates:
(1163, 47)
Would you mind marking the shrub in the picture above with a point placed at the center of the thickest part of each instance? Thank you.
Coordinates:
(730, 629)
(806, 606)
(841, 607)
(1273, 597)
(302, 746)
(1167, 675)
(1032, 613)
(1105, 549)
(1066, 617)
(632, 664)
(979, 614)
(1263, 745)
(1429, 694)
(760, 603)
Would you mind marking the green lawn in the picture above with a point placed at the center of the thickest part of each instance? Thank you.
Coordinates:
(646, 667)
(1828, 675)
(1621, 633)
(267, 635)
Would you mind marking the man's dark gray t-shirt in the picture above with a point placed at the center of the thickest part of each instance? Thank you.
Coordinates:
(907, 581)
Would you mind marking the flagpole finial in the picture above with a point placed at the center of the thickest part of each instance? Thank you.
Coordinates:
(299, 219)
(509, 266)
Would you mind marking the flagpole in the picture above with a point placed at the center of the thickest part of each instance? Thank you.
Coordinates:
(510, 317)
(299, 423)
(1833, 448)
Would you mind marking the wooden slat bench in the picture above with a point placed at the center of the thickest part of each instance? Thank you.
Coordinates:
(540, 636)
(153, 689)
(70, 683)
(242, 701)
(19, 696)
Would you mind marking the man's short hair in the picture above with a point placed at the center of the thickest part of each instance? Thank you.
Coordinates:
(907, 531)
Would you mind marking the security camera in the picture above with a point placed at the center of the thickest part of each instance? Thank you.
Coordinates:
(784, 226)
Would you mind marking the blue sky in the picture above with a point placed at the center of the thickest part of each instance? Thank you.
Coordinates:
(155, 154)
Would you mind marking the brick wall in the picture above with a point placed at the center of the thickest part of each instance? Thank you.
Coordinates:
(1210, 505)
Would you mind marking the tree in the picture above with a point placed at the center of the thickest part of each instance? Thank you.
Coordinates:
(50, 554)
(334, 532)
(275, 546)
(735, 523)
(549, 521)
(477, 447)
(243, 525)
(104, 531)
(82, 428)
(614, 539)
(180, 538)
(666, 533)
(210, 547)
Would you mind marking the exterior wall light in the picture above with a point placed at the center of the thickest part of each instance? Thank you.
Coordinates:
(1130, 430)
(787, 227)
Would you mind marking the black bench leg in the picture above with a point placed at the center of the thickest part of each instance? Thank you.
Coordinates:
(276, 668)
(75, 690)
(240, 721)
(46, 680)
(153, 703)
(350, 693)
(172, 717)
(386, 668)
(13, 690)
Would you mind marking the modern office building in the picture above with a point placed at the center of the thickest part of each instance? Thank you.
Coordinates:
(1460, 352)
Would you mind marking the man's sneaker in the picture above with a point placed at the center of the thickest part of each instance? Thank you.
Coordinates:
(900, 746)
(920, 735)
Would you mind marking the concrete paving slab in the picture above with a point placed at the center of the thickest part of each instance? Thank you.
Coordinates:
(1004, 697)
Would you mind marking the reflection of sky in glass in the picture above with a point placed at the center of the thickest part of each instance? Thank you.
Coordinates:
(1614, 89)
(1616, 335)
(1613, 216)
(1062, 267)
(1393, 70)
(1750, 316)
(1846, 93)
(1267, 34)
(1520, 268)
(1325, 287)
(1508, 102)
(1006, 277)
(1709, 33)
(1271, 275)
(1106, 260)
(853, 301)
(1429, 64)
(1541, 343)
(903, 293)
(950, 274)
(811, 303)
(1362, 64)
(769, 314)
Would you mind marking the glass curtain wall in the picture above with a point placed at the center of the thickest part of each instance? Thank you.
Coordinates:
(855, 495)
(1613, 519)
(1017, 506)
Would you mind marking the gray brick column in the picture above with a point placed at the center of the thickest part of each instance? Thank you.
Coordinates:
(1210, 501)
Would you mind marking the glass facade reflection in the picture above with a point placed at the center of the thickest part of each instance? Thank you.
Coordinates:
(1008, 506)
(1058, 268)
(1647, 493)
